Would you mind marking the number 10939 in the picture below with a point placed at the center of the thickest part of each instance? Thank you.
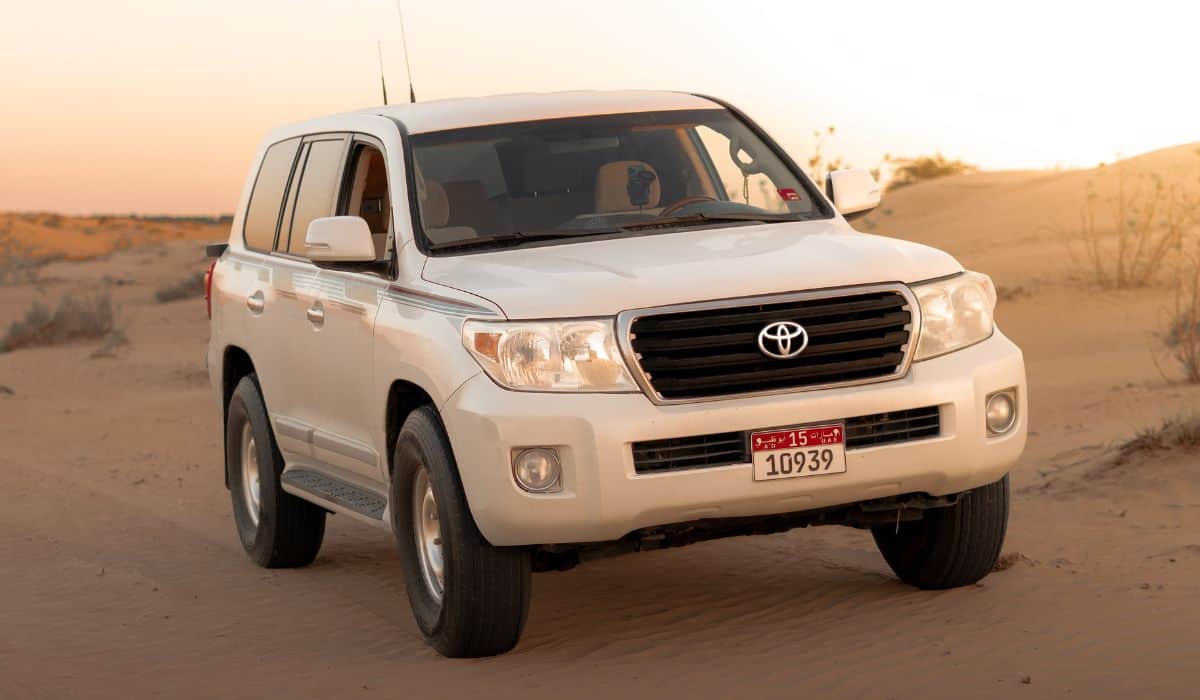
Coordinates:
(781, 454)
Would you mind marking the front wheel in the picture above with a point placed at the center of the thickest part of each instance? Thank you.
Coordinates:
(469, 598)
(949, 547)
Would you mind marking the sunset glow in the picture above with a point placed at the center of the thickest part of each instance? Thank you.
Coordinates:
(150, 106)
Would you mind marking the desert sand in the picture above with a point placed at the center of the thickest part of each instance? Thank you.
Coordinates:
(123, 576)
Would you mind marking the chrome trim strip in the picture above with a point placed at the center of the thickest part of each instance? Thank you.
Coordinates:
(433, 302)
(348, 307)
(625, 321)
(247, 259)
(294, 429)
(345, 448)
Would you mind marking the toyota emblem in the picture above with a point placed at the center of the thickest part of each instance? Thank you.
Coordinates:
(782, 340)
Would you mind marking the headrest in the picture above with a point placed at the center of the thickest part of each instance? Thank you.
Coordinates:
(465, 193)
(612, 186)
(435, 208)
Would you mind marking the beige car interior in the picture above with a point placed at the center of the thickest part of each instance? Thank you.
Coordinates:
(459, 210)
(369, 197)
(612, 187)
(435, 213)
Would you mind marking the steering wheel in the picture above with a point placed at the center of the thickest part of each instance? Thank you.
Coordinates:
(680, 204)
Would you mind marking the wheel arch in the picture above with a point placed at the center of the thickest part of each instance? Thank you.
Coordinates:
(403, 398)
(235, 365)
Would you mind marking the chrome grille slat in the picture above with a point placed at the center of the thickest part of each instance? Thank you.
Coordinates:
(706, 351)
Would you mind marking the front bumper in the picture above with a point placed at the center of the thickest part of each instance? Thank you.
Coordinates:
(603, 498)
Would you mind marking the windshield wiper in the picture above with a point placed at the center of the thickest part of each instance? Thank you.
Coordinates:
(692, 219)
(516, 237)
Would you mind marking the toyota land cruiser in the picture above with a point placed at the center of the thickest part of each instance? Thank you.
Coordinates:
(524, 331)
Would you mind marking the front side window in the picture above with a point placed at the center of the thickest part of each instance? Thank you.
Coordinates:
(367, 194)
(631, 174)
(266, 200)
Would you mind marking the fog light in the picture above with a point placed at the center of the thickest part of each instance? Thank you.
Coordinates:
(538, 470)
(1001, 411)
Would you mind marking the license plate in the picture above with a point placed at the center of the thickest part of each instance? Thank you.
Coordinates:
(812, 451)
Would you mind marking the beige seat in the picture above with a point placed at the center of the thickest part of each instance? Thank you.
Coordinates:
(470, 206)
(435, 213)
(612, 187)
(369, 198)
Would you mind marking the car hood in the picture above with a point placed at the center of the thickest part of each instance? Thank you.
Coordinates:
(605, 277)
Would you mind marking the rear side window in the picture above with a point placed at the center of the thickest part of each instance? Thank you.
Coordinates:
(266, 199)
(315, 198)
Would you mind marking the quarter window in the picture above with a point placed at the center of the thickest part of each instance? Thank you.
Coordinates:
(262, 214)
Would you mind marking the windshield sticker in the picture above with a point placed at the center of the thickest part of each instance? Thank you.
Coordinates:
(788, 194)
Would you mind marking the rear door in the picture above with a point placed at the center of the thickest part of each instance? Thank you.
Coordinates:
(251, 312)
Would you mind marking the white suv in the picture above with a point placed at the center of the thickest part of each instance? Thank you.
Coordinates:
(525, 331)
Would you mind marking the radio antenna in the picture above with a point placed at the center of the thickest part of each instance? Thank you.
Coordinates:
(382, 79)
(412, 96)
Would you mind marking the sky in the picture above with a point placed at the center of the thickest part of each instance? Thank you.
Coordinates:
(157, 106)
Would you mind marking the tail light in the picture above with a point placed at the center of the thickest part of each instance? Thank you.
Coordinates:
(208, 277)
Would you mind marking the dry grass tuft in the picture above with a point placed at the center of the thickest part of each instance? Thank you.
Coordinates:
(75, 318)
(1182, 334)
(191, 287)
(1006, 293)
(18, 264)
(1127, 239)
(1182, 433)
(116, 338)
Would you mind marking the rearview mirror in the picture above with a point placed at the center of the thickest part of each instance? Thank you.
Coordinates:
(854, 192)
(339, 239)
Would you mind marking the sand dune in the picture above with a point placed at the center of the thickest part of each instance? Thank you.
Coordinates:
(1012, 224)
(123, 575)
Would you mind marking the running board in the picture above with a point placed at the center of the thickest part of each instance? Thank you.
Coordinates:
(326, 488)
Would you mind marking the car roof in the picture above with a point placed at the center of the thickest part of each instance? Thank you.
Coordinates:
(439, 115)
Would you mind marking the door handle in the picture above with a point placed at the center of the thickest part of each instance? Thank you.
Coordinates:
(256, 302)
(316, 314)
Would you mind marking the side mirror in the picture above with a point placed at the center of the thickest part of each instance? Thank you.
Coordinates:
(854, 192)
(339, 239)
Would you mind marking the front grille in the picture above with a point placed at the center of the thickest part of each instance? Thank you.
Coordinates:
(713, 352)
(896, 426)
(721, 449)
(695, 452)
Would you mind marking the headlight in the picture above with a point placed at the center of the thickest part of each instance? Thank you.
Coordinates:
(955, 313)
(575, 355)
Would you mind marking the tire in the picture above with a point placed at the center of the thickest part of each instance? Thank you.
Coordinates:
(284, 531)
(949, 547)
(483, 600)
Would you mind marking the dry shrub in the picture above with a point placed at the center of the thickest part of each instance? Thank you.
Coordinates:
(18, 264)
(75, 318)
(116, 338)
(1129, 237)
(819, 164)
(191, 287)
(1182, 334)
(1182, 432)
(1007, 293)
(910, 171)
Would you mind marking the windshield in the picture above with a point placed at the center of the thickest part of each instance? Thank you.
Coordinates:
(496, 186)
